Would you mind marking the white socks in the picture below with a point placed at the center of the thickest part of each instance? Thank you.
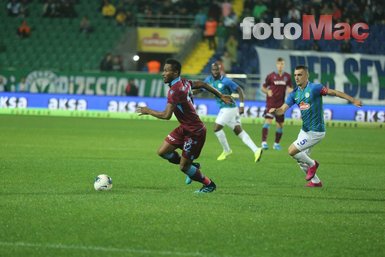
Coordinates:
(243, 135)
(303, 157)
(247, 140)
(223, 140)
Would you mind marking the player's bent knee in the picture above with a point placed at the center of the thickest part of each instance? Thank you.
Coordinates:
(237, 130)
(165, 155)
(292, 150)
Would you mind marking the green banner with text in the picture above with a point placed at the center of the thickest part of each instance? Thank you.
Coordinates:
(84, 83)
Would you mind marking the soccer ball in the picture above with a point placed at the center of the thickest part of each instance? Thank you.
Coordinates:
(103, 182)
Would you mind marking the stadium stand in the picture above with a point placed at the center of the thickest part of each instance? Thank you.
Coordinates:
(56, 42)
(349, 11)
(198, 58)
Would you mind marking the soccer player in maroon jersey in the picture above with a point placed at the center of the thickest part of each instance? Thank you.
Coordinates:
(275, 88)
(190, 136)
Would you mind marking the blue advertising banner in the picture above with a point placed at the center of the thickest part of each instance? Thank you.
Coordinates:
(204, 107)
(359, 75)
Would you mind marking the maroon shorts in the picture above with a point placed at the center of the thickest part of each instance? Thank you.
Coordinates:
(191, 144)
(278, 118)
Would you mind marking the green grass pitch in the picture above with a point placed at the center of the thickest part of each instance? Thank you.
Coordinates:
(48, 206)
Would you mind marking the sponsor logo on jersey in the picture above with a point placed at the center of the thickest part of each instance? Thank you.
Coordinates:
(280, 83)
(304, 106)
(307, 94)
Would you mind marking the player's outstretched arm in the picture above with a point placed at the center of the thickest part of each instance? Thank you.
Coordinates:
(196, 91)
(225, 98)
(164, 115)
(279, 111)
(342, 95)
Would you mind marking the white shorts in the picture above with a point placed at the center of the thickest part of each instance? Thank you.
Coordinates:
(229, 117)
(307, 140)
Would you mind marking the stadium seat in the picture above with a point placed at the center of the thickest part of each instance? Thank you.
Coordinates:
(55, 39)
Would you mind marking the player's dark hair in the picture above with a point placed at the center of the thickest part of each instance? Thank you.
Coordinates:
(301, 67)
(175, 65)
(280, 59)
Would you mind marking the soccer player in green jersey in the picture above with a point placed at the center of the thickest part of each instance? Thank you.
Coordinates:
(308, 96)
(229, 114)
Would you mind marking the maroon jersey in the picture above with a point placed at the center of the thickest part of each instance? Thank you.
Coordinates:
(278, 84)
(180, 94)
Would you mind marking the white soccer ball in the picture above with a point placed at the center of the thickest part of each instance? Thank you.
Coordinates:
(103, 182)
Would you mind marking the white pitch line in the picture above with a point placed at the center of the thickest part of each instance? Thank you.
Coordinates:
(106, 249)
